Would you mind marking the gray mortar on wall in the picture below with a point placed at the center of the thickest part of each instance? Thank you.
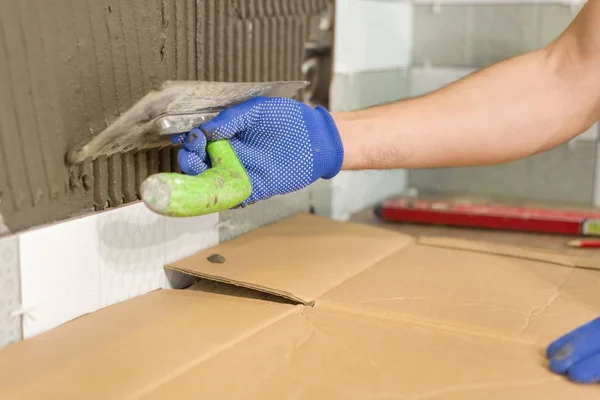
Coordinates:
(68, 68)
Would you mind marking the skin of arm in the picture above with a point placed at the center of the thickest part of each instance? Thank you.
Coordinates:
(513, 109)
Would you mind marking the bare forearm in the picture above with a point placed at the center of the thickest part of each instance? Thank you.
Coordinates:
(511, 110)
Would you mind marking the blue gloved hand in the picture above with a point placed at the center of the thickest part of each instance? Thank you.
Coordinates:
(284, 144)
(577, 354)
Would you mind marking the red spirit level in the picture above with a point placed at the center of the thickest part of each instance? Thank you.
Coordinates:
(491, 216)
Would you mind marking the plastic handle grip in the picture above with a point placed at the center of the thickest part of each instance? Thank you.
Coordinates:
(223, 186)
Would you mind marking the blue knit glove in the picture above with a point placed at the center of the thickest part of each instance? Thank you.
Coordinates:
(284, 144)
(577, 354)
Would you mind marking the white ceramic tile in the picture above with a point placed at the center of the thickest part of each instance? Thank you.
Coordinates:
(426, 80)
(187, 236)
(77, 267)
(60, 274)
(354, 191)
(132, 252)
(372, 35)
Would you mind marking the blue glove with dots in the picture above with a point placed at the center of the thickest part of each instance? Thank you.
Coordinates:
(577, 354)
(284, 144)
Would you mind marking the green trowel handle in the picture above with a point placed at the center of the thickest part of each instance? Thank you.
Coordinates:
(225, 185)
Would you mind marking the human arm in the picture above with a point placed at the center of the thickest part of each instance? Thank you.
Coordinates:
(508, 111)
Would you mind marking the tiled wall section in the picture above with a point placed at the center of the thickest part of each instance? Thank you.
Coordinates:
(372, 35)
(465, 35)
(453, 40)
(352, 191)
(373, 42)
(368, 88)
(565, 174)
(79, 266)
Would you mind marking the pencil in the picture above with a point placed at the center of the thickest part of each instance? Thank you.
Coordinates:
(585, 244)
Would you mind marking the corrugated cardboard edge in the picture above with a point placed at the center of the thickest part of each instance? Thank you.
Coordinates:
(242, 284)
(525, 253)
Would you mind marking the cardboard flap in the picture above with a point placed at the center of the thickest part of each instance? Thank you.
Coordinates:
(320, 354)
(471, 291)
(544, 255)
(300, 258)
(128, 350)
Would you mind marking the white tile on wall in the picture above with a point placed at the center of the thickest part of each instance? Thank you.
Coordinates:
(79, 266)
(372, 35)
(60, 273)
(186, 236)
(353, 191)
(132, 252)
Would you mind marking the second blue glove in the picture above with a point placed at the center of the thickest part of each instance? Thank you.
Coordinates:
(577, 354)
(284, 144)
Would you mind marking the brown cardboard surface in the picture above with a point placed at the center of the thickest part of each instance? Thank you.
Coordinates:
(322, 354)
(300, 258)
(403, 320)
(128, 350)
(550, 256)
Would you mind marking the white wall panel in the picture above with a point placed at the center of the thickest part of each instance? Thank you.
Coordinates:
(354, 191)
(60, 273)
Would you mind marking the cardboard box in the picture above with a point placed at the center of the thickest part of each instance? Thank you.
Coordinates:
(314, 309)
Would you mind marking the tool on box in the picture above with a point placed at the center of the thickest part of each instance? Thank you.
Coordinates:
(178, 107)
(490, 216)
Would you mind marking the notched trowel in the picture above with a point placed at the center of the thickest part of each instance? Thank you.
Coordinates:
(178, 107)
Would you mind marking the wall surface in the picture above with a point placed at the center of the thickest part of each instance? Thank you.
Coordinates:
(68, 68)
(372, 55)
(79, 266)
(454, 38)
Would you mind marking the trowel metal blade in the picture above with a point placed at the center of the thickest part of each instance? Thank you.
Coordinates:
(178, 106)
